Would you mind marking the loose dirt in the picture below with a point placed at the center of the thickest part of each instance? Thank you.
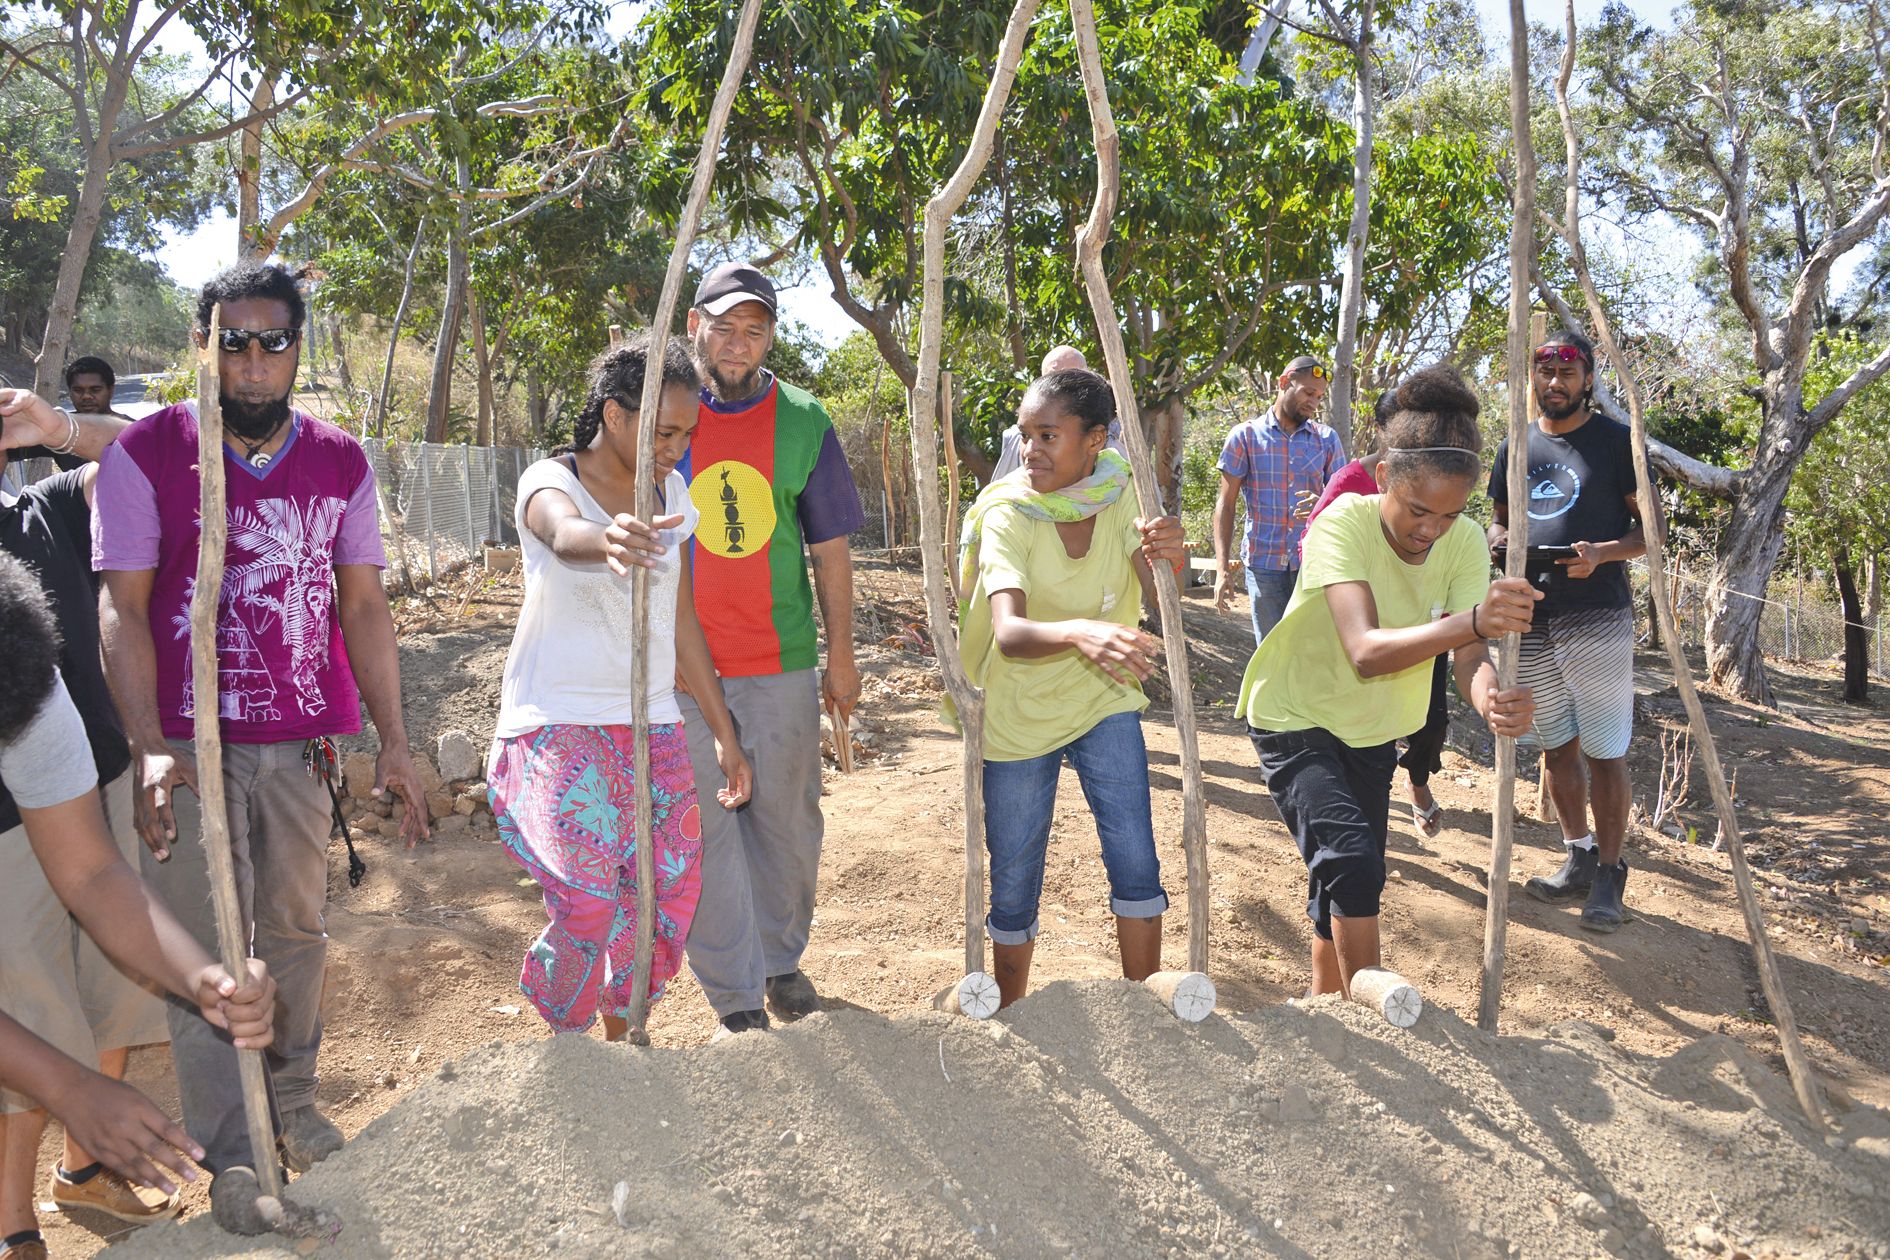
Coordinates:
(1100, 1122)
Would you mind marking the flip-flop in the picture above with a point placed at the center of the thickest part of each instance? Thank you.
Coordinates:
(1426, 820)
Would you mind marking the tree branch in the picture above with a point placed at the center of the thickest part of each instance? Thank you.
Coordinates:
(1833, 402)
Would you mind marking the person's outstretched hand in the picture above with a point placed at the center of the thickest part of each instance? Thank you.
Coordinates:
(125, 1131)
(628, 541)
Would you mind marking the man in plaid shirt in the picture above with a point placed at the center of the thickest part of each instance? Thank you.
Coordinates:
(1277, 464)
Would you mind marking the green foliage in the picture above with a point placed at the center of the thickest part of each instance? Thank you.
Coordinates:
(1840, 500)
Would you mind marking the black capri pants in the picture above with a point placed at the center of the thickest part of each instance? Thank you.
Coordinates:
(1336, 800)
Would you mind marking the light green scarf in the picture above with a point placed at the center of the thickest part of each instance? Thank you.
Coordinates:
(1077, 501)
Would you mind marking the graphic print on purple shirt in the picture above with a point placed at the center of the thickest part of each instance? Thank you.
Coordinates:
(283, 673)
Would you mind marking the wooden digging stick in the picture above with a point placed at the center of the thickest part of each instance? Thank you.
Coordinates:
(732, 74)
(1797, 1063)
(1089, 247)
(205, 600)
(1522, 248)
(1545, 798)
(966, 698)
(949, 439)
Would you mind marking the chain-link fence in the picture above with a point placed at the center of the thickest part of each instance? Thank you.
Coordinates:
(441, 504)
(1800, 621)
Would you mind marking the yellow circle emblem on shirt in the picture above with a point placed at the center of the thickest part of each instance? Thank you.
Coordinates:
(737, 507)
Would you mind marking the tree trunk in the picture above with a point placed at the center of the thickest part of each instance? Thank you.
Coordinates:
(50, 364)
(452, 315)
(1856, 644)
(1748, 551)
(1013, 315)
(333, 320)
(483, 361)
(249, 243)
(1165, 426)
(393, 335)
(535, 404)
(1352, 289)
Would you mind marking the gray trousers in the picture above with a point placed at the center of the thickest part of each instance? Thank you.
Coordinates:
(279, 830)
(759, 862)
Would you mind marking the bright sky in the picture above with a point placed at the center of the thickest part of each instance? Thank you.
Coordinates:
(191, 258)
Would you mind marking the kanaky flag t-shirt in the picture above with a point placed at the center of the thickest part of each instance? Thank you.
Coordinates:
(767, 476)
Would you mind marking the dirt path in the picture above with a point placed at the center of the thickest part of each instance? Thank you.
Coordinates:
(425, 954)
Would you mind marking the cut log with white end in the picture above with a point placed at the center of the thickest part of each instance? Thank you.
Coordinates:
(1388, 993)
(976, 996)
(1188, 994)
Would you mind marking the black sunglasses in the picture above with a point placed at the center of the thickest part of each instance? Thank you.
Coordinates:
(272, 340)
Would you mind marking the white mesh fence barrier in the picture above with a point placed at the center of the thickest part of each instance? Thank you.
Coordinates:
(441, 504)
(1802, 623)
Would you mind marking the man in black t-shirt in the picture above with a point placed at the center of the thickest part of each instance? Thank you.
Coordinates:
(54, 981)
(1579, 654)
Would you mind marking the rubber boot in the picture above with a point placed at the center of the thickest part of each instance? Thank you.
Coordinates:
(1605, 911)
(1140, 941)
(1574, 880)
(1010, 966)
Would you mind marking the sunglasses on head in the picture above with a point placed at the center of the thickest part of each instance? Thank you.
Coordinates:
(1560, 354)
(1318, 371)
(272, 340)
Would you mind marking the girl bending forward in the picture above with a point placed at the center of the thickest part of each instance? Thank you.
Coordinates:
(562, 780)
(1389, 581)
(1056, 564)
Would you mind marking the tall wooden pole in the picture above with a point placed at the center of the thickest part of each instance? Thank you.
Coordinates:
(732, 75)
(949, 439)
(1089, 246)
(1522, 249)
(1797, 1063)
(923, 404)
(232, 938)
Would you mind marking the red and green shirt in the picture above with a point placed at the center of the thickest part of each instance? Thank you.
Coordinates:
(768, 476)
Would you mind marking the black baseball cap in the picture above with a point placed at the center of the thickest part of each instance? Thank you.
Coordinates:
(729, 285)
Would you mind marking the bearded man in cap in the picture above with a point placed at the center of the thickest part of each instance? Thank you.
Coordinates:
(766, 472)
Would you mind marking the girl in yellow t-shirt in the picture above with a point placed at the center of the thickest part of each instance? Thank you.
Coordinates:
(1389, 581)
(1056, 564)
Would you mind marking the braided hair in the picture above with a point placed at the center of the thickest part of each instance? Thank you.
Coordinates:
(1434, 430)
(1078, 392)
(32, 638)
(617, 374)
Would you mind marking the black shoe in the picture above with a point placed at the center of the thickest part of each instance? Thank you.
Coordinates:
(1574, 880)
(1605, 911)
(791, 996)
(741, 1022)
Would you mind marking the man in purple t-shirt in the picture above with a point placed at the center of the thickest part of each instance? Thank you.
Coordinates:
(303, 636)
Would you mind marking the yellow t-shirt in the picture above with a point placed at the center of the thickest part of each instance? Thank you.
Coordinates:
(1038, 705)
(1301, 677)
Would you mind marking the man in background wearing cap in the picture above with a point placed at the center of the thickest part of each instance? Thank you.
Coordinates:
(767, 473)
(1277, 463)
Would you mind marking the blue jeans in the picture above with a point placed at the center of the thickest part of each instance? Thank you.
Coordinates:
(1111, 763)
(1270, 589)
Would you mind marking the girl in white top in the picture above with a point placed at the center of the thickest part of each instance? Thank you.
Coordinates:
(562, 780)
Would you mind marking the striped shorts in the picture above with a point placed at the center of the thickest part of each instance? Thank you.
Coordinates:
(1580, 665)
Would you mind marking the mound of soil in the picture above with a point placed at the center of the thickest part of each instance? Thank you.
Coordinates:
(1086, 1121)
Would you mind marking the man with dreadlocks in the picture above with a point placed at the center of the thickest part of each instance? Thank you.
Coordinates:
(1579, 657)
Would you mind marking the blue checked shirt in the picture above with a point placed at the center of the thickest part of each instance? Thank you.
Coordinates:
(1274, 468)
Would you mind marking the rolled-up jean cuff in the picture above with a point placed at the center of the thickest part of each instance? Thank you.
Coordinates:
(1147, 908)
(1007, 936)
